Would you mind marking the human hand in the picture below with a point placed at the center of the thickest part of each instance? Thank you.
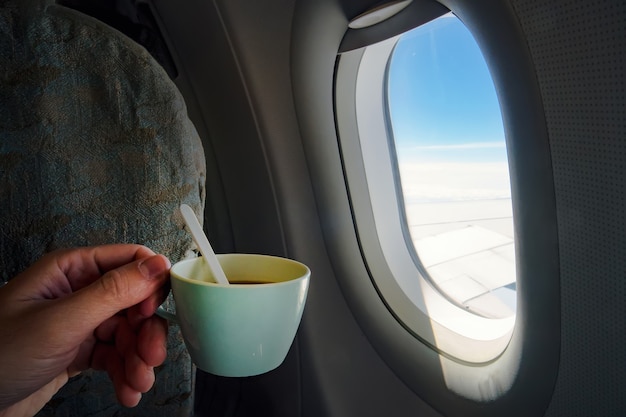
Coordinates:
(77, 309)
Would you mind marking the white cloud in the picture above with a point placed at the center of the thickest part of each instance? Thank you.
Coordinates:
(430, 182)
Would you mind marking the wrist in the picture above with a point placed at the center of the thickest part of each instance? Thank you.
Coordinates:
(17, 410)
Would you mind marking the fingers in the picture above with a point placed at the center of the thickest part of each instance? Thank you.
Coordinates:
(117, 290)
(129, 356)
(152, 341)
(142, 351)
(135, 340)
(139, 312)
(93, 307)
(64, 271)
(82, 266)
(107, 358)
(138, 374)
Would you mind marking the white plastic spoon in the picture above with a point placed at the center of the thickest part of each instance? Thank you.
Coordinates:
(203, 244)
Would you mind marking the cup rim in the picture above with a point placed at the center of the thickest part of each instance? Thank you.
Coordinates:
(305, 275)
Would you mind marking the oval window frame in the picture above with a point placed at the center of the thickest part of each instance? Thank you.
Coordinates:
(535, 337)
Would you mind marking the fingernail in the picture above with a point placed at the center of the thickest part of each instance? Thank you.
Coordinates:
(154, 266)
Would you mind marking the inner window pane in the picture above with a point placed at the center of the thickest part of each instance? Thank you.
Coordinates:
(452, 162)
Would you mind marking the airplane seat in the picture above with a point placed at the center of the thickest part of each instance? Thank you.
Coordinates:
(96, 147)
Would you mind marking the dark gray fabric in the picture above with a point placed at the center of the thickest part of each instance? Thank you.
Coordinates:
(95, 147)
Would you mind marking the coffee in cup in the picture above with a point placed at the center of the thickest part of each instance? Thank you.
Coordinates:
(247, 327)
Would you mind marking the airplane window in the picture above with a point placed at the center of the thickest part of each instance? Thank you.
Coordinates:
(422, 143)
(452, 164)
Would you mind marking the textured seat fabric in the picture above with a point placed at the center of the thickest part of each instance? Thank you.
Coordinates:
(95, 147)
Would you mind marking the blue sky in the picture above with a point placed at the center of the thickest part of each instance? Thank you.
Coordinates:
(443, 104)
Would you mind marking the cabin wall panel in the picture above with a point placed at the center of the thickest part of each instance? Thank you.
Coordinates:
(579, 50)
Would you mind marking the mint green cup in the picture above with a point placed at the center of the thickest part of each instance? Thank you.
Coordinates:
(240, 329)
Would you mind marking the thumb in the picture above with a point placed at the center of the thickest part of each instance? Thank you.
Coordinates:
(117, 290)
